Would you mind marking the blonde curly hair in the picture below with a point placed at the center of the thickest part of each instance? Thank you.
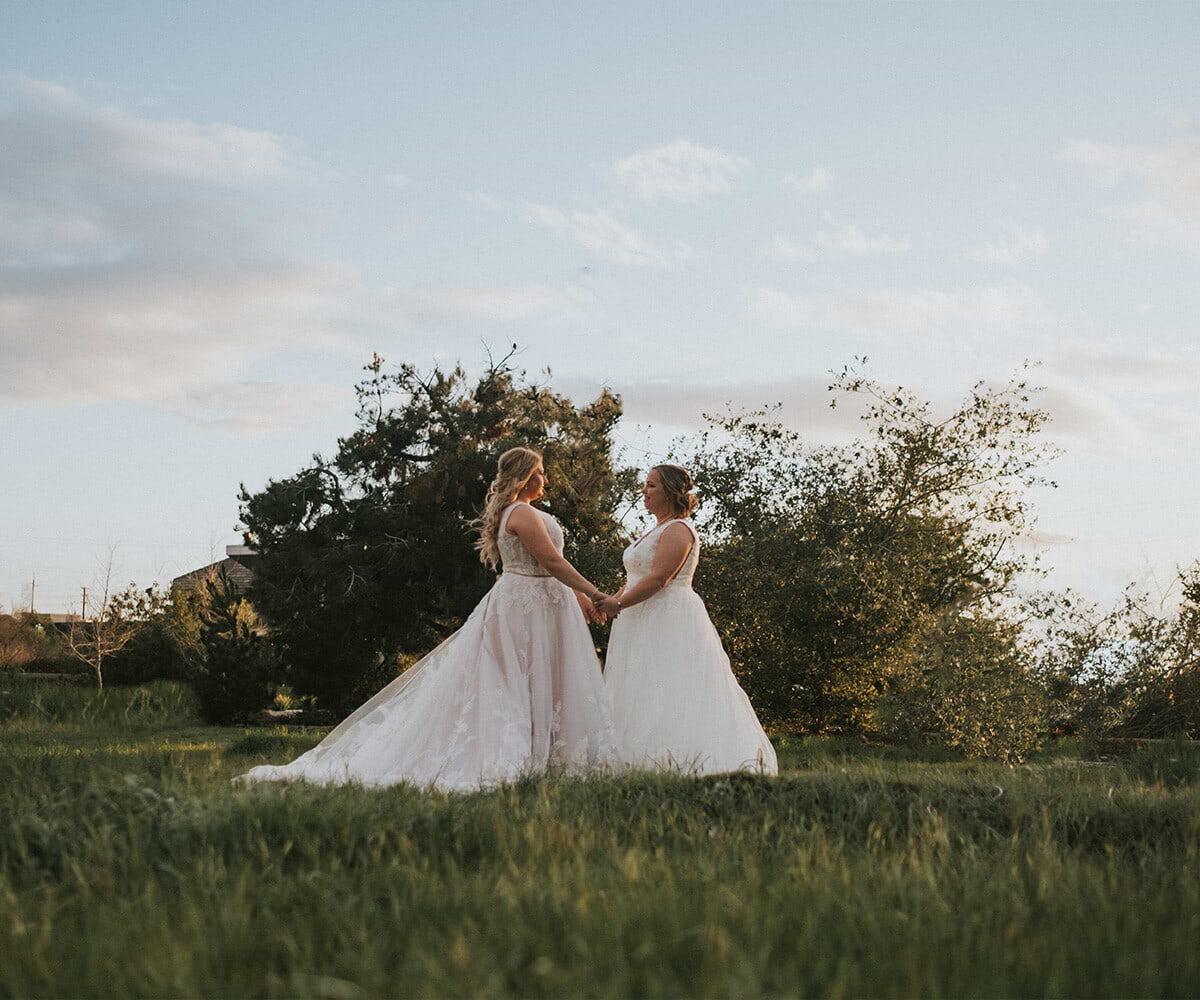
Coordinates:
(512, 473)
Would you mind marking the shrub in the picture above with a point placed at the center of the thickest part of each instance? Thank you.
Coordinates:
(239, 667)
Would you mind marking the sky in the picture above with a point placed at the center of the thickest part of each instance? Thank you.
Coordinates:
(211, 215)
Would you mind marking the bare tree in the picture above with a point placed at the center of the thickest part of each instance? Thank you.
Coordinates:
(112, 621)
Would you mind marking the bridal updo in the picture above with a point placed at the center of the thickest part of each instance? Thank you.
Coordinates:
(512, 473)
(677, 487)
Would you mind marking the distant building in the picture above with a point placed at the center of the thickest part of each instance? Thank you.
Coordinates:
(49, 617)
(238, 565)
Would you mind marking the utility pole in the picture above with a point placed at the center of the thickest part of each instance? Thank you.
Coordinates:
(83, 616)
(32, 588)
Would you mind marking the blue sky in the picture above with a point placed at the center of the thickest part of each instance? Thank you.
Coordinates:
(211, 215)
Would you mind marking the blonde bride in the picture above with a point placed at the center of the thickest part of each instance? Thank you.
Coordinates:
(516, 690)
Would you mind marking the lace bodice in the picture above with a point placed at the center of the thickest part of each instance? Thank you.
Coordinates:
(514, 557)
(639, 557)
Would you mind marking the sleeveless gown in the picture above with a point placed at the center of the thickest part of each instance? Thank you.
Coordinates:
(516, 690)
(676, 704)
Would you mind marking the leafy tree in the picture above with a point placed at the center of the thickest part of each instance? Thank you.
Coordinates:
(234, 680)
(367, 558)
(833, 572)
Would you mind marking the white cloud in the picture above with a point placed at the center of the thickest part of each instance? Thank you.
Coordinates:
(776, 310)
(1145, 373)
(397, 180)
(679, 171)
(849, 241)
(145, 260)
(1169, 169)
(997, 307)
(1168, 212)
(1018, 244)
(1124, 402)
(601, 233)
(482, 200)
(842, 241)
(424, 307)
(782, 248)
(55, 119)
(253, 409)
(817, 182)
(804, 402)
(1158, 223)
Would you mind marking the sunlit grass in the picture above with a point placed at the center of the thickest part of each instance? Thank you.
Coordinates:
(131, 866)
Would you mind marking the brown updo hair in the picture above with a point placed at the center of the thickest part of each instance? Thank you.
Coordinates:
(677, 486)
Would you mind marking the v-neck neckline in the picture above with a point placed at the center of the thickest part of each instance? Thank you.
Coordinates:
(654, 529)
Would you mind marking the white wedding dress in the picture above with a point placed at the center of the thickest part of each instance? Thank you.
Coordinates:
(516, 690)
(676, 704)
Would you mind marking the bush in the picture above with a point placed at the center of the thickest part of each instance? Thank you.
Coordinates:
(57, 665)
(966, 683)
(153, 653)
(28, 639)
(239, 669)
(1132, 671)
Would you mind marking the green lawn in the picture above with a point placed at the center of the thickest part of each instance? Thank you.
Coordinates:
(129, 866)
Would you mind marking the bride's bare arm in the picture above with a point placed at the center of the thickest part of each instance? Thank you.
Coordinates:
(525, 523)
(673, 547)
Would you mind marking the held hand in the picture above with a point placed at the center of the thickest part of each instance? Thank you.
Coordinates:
(587, 607)
(609, 606)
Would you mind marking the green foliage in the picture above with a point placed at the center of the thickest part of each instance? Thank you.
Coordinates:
(239, 667)
(1067, 879)
(367, 557)
(111, 623)
(848, 577)
(966, 681)
(165, 643)
(1133, 670)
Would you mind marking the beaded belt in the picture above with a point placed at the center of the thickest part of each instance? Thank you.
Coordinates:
(517, 572)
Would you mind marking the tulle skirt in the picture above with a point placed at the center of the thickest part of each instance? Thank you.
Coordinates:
(675, 702)
(516, 690)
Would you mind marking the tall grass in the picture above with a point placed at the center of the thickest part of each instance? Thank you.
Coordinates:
(34, 703)
(133, 867)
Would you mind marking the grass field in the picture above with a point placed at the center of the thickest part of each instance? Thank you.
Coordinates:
(129, 866)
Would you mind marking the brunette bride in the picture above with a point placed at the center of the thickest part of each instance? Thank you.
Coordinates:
(516, 690)
(676, 704)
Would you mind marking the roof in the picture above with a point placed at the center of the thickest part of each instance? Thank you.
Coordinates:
(238, 566)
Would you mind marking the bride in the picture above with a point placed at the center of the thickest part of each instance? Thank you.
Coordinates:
(517, 689)
(674, 698)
